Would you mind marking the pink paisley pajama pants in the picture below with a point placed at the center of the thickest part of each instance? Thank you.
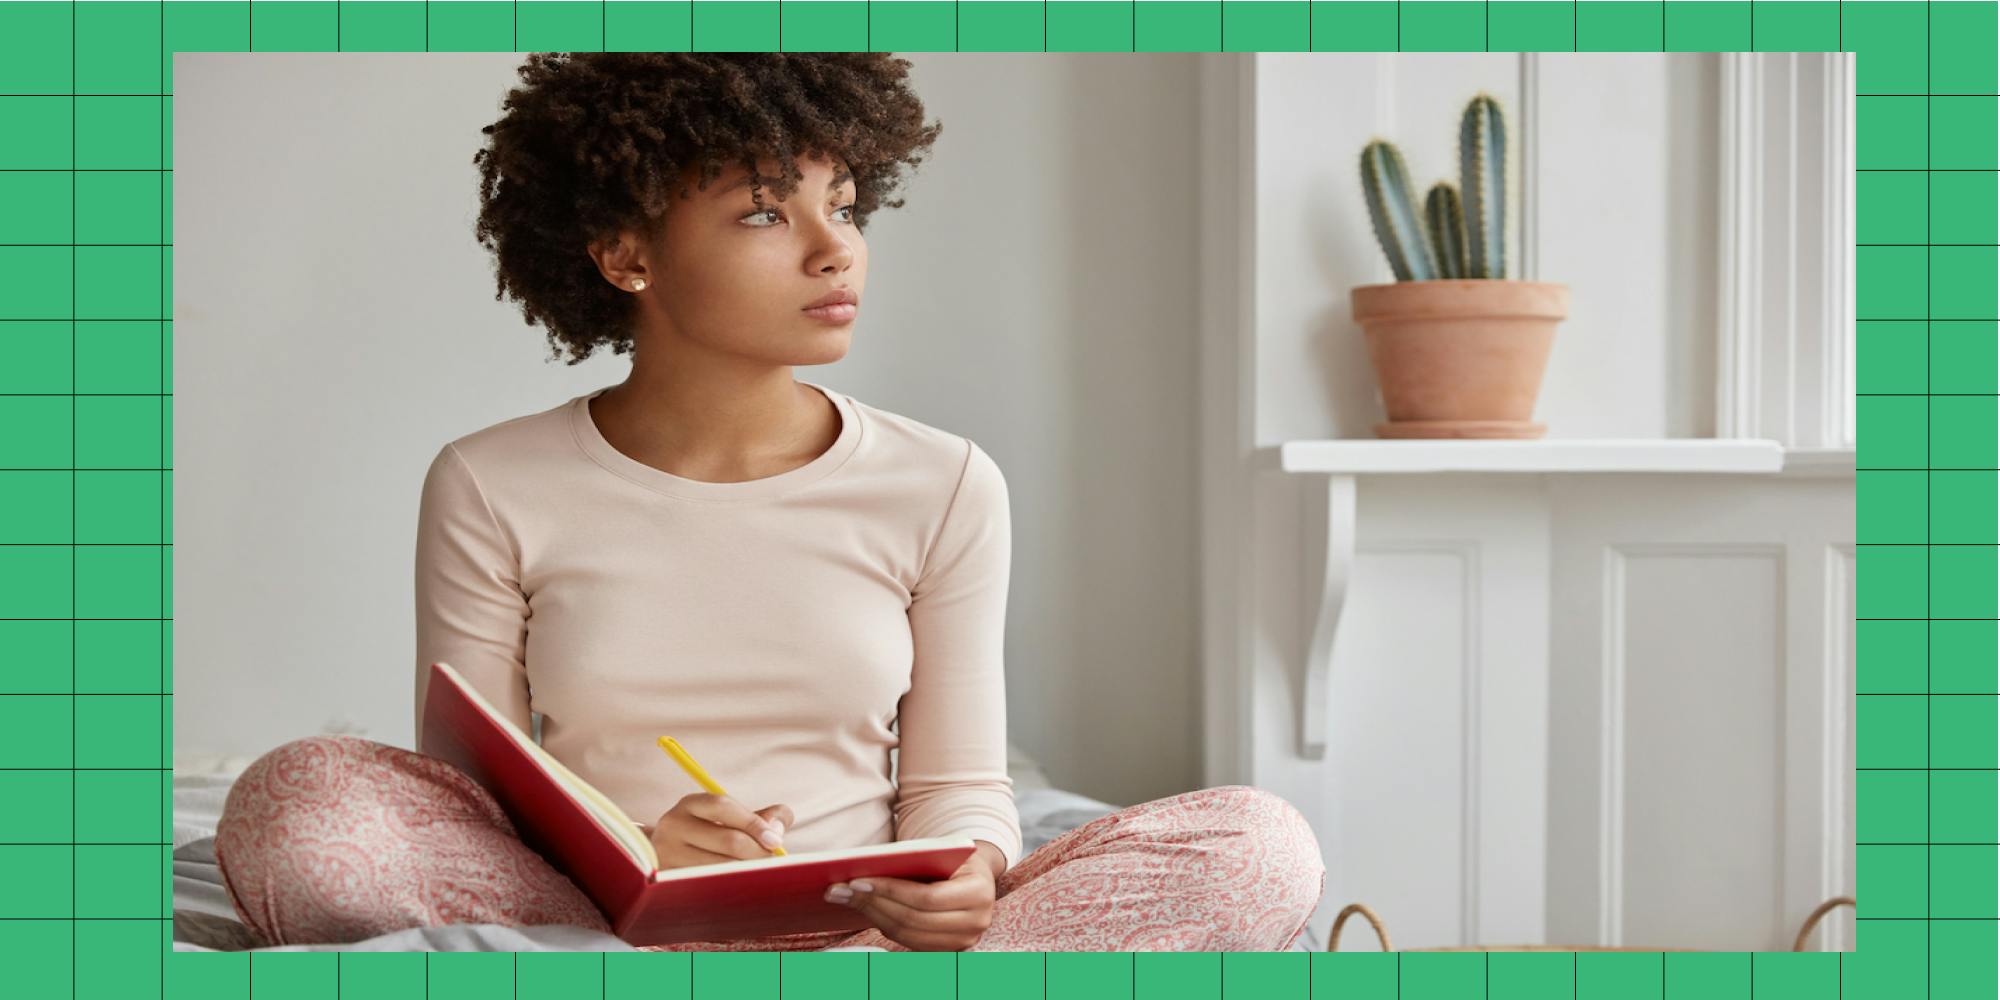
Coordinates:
(334, 838)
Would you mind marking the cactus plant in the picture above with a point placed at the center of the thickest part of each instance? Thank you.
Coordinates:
(1482, 167)
(1385, 181)
(1462, 232)
(1444, 218)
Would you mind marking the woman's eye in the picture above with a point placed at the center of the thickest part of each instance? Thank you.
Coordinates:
(773, 211)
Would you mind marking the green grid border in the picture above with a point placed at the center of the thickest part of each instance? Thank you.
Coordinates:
(86, 551)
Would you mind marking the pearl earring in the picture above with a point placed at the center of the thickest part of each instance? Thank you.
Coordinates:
(638, 284)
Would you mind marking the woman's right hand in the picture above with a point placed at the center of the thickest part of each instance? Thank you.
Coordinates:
(704, 828)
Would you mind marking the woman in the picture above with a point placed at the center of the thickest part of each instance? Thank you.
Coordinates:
(789, 581)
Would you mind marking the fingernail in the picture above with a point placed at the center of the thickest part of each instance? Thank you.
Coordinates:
(770, 839)
(838, 895)
(862, 887)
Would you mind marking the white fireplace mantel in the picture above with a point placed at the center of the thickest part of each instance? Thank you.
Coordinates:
(1340, 462)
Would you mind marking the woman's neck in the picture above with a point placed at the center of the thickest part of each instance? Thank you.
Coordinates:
(717, 427)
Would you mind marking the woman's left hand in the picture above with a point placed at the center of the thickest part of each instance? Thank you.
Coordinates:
(928, 916)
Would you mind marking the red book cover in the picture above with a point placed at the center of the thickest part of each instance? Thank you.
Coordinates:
(588, 838)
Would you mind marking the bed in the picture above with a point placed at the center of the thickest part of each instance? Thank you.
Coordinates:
(204, 920)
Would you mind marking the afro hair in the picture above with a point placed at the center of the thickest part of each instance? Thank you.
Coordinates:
(591, 144)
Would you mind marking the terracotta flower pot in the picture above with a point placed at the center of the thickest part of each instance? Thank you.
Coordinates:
(1460, 358)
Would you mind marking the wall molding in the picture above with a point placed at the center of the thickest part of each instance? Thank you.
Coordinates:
(1471, 706)
(1611, 719)
(1737, 355)
(1228, 126)
(1785, 316)
(1837, 687)
(1838, 101)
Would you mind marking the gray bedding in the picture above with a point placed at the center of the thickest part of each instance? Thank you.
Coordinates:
(204, 919)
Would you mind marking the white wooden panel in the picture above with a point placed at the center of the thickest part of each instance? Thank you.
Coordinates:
(1431, 801)
(1398, 731)
(1701, 741)
(1693, 656)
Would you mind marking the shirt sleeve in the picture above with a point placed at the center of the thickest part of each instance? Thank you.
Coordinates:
(952, 724)
(471, 612)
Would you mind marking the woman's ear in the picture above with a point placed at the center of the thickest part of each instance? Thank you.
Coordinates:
(618, 259)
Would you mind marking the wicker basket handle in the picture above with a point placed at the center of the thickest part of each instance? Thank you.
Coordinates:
(1818, 912)
(1333, 936)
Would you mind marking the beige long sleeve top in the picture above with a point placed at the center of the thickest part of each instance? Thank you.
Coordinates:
(789, 631)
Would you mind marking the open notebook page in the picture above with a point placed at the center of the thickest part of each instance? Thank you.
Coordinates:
(811, 857)
(606, 812)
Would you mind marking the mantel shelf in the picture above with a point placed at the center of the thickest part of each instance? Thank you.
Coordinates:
(1340, 463)
(1377, 456)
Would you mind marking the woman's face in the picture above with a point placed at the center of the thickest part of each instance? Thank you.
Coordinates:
(736, 279)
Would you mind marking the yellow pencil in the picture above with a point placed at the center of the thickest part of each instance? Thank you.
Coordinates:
(697, 772)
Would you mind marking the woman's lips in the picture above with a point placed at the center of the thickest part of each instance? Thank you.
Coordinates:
(839, 312)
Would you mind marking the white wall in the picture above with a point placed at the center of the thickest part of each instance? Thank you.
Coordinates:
(1625, 218)
(1628, 166)
(336, 324)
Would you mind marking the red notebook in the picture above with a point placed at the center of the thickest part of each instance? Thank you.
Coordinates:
(588, 838)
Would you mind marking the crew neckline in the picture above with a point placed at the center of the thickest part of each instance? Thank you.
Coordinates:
(600, 450)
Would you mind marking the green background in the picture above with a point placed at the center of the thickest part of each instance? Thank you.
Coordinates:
(86, 543)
